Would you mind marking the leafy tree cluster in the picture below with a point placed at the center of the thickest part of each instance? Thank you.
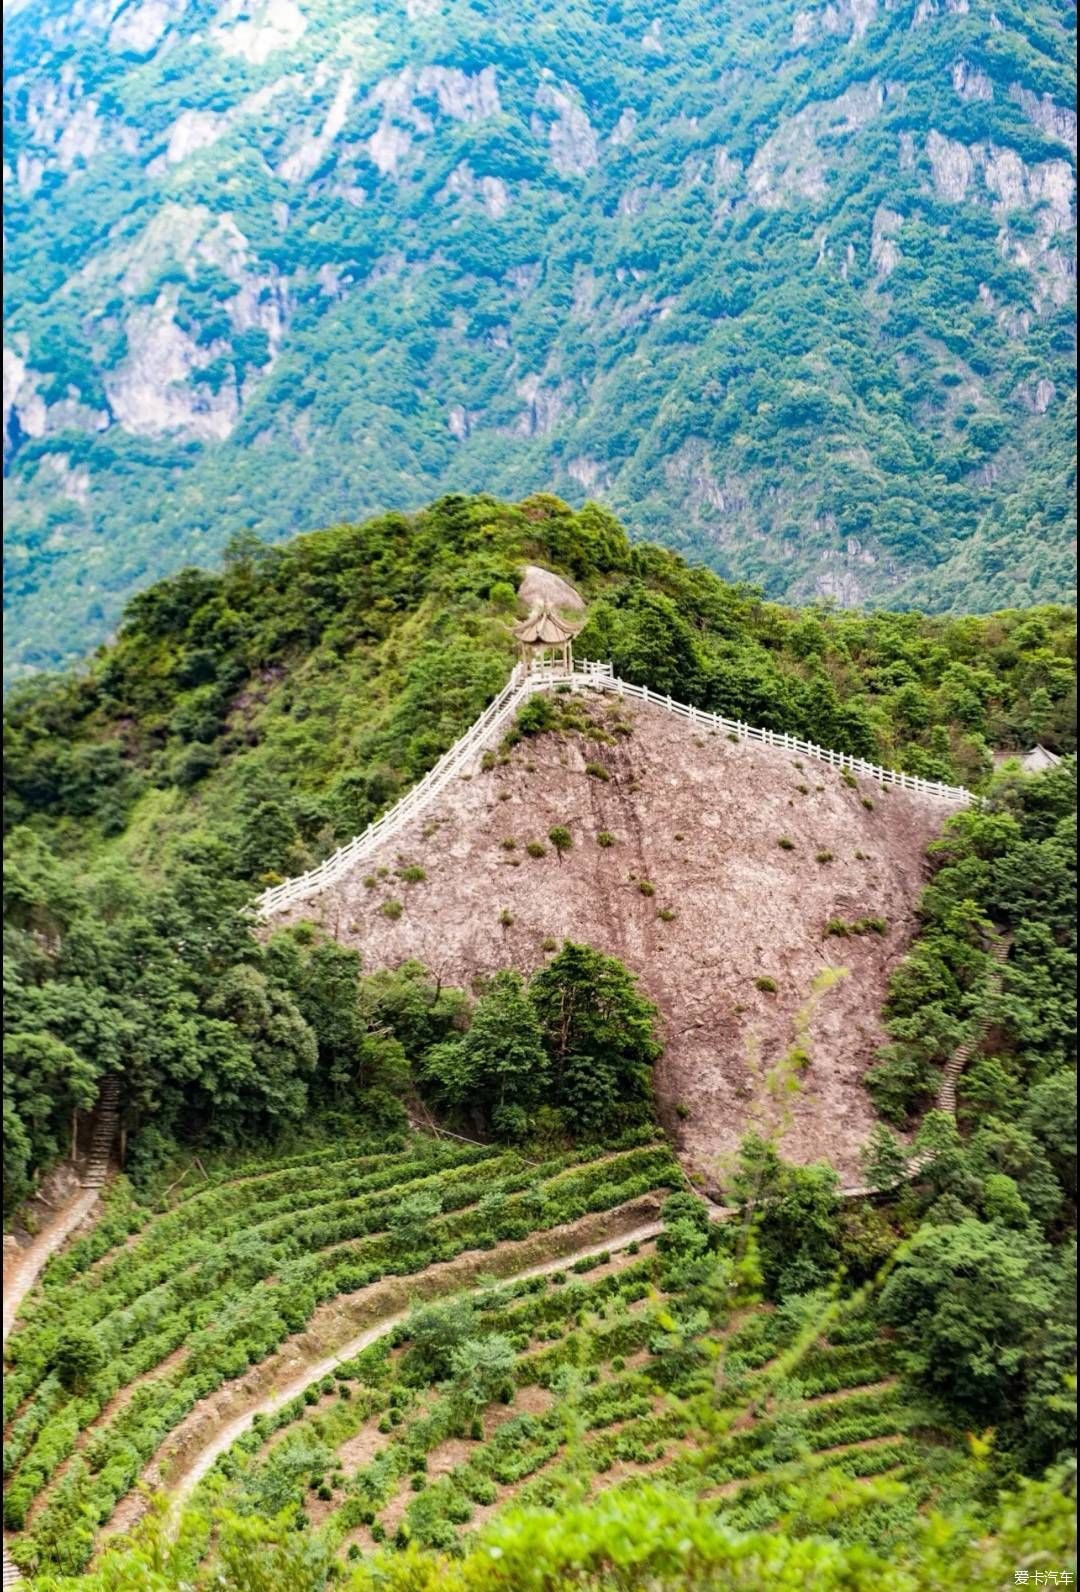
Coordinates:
(579, 1041)
(972, 1271)
(162, 985)
(218, 1038)
(1009, 865)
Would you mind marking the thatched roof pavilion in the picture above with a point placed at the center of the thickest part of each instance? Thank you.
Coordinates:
(545, 640)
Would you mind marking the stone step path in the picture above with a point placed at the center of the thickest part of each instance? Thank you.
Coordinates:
(945, 1100)
(960, 1057)
(103, 1133)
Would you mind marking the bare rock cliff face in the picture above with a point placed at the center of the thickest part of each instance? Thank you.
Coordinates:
(328, 258)
(699, 820)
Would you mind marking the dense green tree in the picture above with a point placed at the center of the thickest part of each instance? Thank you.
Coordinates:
(76, 1358)
(44, 1082)
(1010, 863)
(967, 1302)
(884, 1158)
(436, 1332)
(498, 1068)
(648, 641)
(504, 1047)
(796, 1214)
(481, 1368)
(599, 1032)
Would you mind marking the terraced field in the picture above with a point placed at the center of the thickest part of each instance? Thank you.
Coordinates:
(391, 1345)
(164, 1328)
(544, 1390)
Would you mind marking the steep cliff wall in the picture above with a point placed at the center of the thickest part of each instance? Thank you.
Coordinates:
(699, 822)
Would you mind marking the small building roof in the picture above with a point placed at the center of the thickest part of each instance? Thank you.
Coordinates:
(1038, 759)
(543, 628)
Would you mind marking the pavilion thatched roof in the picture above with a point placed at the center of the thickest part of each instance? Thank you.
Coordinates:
(543, 628)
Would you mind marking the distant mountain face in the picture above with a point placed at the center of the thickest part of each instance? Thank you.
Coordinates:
(788, 288)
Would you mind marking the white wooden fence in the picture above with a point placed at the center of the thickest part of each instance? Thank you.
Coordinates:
(453, 762)
(464, 754)
(789, 743)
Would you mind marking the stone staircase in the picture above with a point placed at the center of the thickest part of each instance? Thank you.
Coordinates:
(103, 1132)
(946, 1100)
(946, 1095)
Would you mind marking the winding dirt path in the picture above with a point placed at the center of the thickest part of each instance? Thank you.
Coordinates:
(204, 1436)
(363, 1340)
(22, 1273)
(25, 1268)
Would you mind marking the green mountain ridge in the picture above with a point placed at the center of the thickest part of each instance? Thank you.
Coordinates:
(300, 691)
(245, 724)
(789, 290)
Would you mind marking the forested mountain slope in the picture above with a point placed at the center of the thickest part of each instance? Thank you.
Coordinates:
(798, 1360)
(244, 724)
(787, 287)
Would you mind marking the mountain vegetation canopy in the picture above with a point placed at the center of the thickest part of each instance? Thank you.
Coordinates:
(786, 286)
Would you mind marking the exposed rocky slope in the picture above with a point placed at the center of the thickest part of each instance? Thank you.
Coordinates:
(700, 821)
(786, 286)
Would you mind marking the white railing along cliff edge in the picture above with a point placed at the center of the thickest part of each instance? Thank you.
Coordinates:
(521, 685)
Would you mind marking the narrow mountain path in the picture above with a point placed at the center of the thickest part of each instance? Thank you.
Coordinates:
(946, 1099)
(25, 1269)
(103, 1132)
(21, 1276)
